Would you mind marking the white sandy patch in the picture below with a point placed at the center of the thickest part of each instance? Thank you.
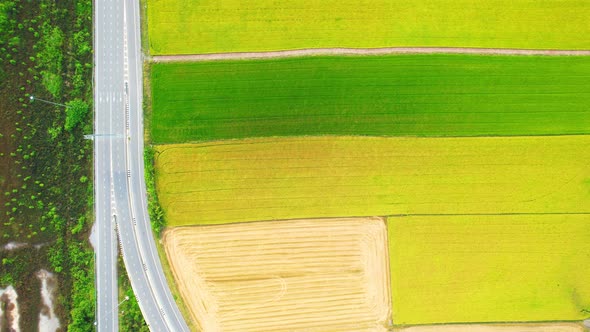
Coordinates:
(9, 296)
(40, 245)
(14, 245)
(92, 237)
(48, 321)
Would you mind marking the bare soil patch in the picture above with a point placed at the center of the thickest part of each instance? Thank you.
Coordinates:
(298, 275)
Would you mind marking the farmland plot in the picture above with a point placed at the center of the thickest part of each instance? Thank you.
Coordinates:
(302, 275)
(213, 26)
(410, 95)
(489, 268)
(286, 178)
(523, 327)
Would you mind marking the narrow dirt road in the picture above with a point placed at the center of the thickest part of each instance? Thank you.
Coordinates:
(363, 51)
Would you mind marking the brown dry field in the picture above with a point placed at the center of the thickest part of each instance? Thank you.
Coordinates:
(547, 327)
(296, 275)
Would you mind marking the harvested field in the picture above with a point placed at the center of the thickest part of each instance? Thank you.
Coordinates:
(545, 327)
(298, 275)
(185, 27)
(289, 178)
(489, 268)
(403, 95)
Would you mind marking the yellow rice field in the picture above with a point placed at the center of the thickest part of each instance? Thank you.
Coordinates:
(545, 327)
(492, 268)
(298, 275)
(289, 178)
(214, 26)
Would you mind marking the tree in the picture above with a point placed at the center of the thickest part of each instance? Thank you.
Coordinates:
(75, 112)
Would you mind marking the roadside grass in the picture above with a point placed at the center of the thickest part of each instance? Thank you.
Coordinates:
(186, 314)
(147, 104)
(401, 95)
(145, 46)
(491, 268)
(264, 25)
(154, 207)
(157, 215)
(130, 316)
(293, 178)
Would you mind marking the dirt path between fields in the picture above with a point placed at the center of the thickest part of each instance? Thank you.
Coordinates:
(363, 51)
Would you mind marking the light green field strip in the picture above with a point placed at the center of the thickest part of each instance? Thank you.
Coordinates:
(214, 26)
(489, 268)
(403, 95)
(543, 327)
(284, 178)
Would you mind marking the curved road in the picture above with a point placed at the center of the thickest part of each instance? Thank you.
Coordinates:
(121, 201)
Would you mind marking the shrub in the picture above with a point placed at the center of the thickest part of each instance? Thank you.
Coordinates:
(75, 112)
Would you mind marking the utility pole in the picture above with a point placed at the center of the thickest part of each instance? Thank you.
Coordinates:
(115, 309)
(33, 98)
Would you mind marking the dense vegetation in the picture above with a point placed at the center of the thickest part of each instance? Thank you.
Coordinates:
(45, 164)
(131, 319)
(155, 211)
(269, 25)
(409, 95)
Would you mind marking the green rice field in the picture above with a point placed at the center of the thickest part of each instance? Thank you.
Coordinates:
(213, 26)
(311, 177)
(404, 95)
(489, 268)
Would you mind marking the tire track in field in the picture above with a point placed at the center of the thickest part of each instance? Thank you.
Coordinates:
(364, 51)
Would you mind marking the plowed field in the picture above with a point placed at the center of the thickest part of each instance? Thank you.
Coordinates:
(299, 275)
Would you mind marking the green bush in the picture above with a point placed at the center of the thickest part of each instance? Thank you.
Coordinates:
(50, 59)
(154, 209)
(75, 112)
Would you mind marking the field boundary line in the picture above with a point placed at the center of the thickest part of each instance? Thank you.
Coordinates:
(364, 51)
(483, 214)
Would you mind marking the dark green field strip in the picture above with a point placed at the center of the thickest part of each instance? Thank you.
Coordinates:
(408, 95)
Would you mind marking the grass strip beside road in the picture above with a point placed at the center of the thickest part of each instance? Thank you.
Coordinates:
(178, 299)
(193, 27)
(490, 268)
(401, 95)
(287, 178)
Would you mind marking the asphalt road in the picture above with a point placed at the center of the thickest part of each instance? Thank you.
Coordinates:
(108, 48)
(155, 274)
(121, 201)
